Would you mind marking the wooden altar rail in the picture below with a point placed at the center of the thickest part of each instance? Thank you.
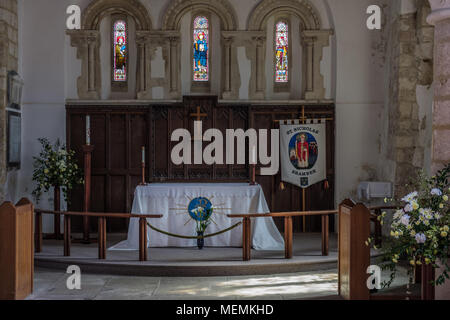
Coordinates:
(101, 229)
(288, 235)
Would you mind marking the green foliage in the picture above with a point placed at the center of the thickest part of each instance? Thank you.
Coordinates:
(202, 224)
(420, 231)
(55, 167)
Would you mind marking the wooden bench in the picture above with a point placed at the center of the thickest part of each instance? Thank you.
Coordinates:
(288, 234)
(101, 229)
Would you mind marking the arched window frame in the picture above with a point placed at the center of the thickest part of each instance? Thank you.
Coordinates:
(119, 86)
(282, 86)
(201, 86)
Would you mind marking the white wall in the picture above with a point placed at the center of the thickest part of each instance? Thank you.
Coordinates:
(352, 66)
(359, 96)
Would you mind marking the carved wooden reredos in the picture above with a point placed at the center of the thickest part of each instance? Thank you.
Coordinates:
(165, 34)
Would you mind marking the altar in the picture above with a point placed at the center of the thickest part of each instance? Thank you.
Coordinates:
(175, 201)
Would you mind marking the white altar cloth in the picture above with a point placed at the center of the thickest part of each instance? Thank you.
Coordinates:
(172, 199)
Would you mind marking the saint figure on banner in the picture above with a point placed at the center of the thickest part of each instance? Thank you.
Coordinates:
(302, 150)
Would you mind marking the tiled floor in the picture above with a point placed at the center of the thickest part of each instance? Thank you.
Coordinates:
(51, 284)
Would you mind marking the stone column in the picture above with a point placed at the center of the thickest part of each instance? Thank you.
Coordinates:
(87, 43)
(227, 64)
(309, 58)
(9, 46)
(144, 66)
(91, 64)
(260, 67)
(141, 66)
(174, 66)
(440, 18)
(315, 41)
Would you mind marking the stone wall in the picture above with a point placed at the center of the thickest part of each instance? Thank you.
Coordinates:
(441, 112)
(8, 62)
(411, 66)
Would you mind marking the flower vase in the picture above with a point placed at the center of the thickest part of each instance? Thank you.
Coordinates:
(200, 241)
(428, 276)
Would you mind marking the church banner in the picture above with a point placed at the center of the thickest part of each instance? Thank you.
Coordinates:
(303, 153)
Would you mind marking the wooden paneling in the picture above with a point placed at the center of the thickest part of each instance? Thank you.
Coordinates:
(119, 132)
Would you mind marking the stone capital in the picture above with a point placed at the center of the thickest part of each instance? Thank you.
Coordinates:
(320, 37)
(440, 10)
(228, 41)
(81, 38)
(259, 40)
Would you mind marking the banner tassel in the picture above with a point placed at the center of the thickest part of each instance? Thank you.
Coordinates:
(326, 185)
(282, 186)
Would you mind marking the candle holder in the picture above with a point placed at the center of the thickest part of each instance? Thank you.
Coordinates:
(143, 167)
(87, 150)
(253, 175)
(143, 175)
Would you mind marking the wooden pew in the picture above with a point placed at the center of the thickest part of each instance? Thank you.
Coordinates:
(288, 233)
(354, 255)
(101, 229)
(16, 250)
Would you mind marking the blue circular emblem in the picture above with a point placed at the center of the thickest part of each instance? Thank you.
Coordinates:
(200, 209)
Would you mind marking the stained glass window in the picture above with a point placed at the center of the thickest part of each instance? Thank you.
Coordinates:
(281, 53)
(201, 46)
(120, 51)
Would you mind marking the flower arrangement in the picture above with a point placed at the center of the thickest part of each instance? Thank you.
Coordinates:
(204, 218)
(55, 167)
(420, 231)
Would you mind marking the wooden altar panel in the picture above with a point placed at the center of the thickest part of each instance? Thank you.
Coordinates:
(119, 132)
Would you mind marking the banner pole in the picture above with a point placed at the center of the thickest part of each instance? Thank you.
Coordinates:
(303, 189)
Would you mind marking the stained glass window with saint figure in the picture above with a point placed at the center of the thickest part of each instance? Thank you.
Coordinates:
(120, 51)
(281, 52)
(201, 49)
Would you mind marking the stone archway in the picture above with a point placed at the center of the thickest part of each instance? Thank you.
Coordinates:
(308, 15)
(87, 42)
(95, 12)
(314, 38)
(171, 21)
(178, 8)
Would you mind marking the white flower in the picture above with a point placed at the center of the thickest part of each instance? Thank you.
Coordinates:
(410, 197)
(436, 192)
(398, 214)
(405, 219)
(408, 208)
(420, 238)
